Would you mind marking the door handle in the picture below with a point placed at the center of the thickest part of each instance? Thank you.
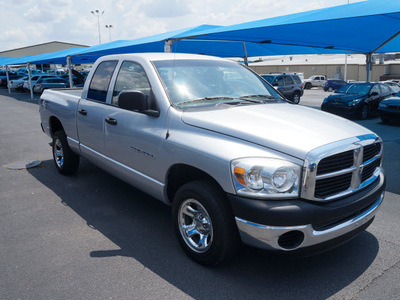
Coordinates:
(83, 112)
(111, 121)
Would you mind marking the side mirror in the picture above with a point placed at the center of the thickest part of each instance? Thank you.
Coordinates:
(132, 100)
(374, 94)
(136, 101)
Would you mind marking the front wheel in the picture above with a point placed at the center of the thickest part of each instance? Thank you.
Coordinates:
(204, 223)
(66, 161)
(363, 112)
(330, 89)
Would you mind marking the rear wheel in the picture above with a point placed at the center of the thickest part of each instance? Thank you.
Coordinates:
(330, 89)
(204, 223)
(66, 161)
(296, 97)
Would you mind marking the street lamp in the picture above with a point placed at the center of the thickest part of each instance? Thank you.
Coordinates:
(109, 27)
(97, 12)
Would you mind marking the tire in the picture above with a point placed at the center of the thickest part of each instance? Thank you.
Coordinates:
(364, 112)
(66, 161)
(307, 86)
(296, 97)
(330, 89)
(204, 223)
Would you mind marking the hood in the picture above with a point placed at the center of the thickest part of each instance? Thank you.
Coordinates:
(344, 98)
(291, 129)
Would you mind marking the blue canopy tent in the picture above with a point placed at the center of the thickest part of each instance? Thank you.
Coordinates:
(363, 27)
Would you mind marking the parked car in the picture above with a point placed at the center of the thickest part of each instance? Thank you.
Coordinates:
(34, 79)
(49, 83)
(389, 109)
(289, 85)
(213, 140)
(315, 80)
(3, 77)
(356, 99)
(331, 85)
(18, 82)
(393, 85)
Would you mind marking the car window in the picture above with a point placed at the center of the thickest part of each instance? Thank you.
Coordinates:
(279, 81)
(269, 78)
(131, 76)
(375, 88)
(316, 78)
(297, 79)
(385, 89)
(101, 80)
(288, 80)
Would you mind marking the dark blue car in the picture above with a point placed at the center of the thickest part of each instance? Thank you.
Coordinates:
(333, 84)
(357, 100)
(389, 109)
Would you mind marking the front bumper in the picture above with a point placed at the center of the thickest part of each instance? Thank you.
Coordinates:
(393, 114)
(341, 109)
(299, 224)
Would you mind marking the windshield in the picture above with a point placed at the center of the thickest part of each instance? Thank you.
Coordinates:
(192, 83)
(360, 89)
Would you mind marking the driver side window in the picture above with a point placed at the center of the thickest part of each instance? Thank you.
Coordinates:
(131, 76)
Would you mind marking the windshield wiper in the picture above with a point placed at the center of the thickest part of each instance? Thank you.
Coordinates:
(251, 98)
(206, 99)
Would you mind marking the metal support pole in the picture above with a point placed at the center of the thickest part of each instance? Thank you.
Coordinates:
(345, 67)
(369, 65)
(30, 79)
(168, 46)
(8, 81)
(71, 83)
(245, 54)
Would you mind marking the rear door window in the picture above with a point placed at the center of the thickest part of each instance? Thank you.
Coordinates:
(101, 80)
(288, 80)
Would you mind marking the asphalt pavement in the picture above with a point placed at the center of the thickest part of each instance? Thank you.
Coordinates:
(91, 236)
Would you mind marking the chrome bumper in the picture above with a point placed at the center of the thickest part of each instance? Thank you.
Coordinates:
(268, 237)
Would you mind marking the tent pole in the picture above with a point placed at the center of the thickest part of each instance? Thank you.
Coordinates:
(28, 65)
(245, 54)
(8, 80)
(168, 46)
(345, 67)
(71, 83)
(369, 65)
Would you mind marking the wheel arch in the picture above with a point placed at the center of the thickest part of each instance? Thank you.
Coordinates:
(181, 174)
(55, 125)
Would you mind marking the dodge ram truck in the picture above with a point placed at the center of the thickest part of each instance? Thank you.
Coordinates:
(236, 162)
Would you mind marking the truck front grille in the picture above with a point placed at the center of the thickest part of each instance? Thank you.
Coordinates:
(341, 168)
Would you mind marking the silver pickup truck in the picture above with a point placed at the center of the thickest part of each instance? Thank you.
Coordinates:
(234, 159)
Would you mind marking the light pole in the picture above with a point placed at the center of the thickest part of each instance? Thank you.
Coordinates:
(109, 27)
(97, 12)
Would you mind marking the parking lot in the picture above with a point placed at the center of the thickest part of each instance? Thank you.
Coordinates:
(91, 236)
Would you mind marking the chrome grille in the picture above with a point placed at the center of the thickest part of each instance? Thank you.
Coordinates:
(341, 168)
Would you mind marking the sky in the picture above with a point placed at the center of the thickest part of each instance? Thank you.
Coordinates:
(29, 22)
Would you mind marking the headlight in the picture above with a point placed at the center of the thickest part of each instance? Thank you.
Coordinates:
(354, 102)
(266, 178)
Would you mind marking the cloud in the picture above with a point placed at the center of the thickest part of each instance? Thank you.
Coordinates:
(165, 9)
